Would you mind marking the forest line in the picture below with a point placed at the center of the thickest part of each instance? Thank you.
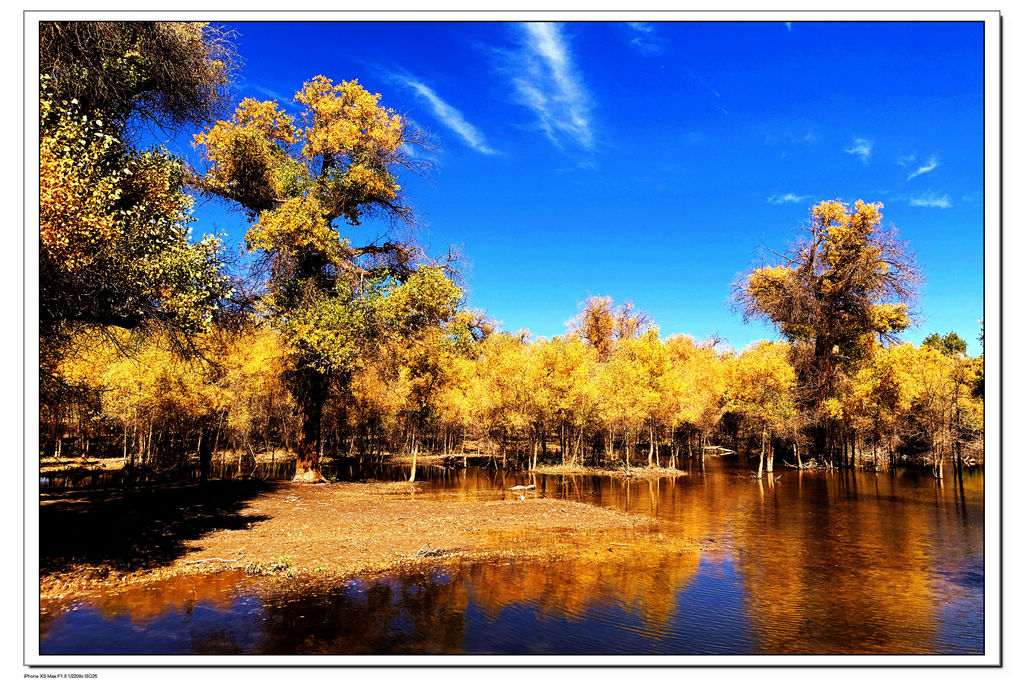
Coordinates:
(151, 350)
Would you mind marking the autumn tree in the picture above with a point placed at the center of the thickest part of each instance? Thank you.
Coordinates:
(845, 284)
(602, 324)
(500, 397)
(332, 300)
(427, 359)
(167, 74)
(702, 381)
(761, 390)
(625, 394)
(153, 392)
(562, 377)
(114, 244)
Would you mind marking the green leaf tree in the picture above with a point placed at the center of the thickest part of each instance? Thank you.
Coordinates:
(950, 344)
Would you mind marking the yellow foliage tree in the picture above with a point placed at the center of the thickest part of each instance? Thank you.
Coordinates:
(844, 286)
(332, 301)
(761, 389)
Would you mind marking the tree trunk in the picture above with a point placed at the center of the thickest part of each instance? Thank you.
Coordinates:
(760, 458)
(561, 443)
(650, 447)
(205, 454)
(625, 441)
(310, 388)
(415, 450)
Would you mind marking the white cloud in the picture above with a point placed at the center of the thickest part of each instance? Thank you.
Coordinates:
(861, 147)
(924, 169)
(645, 39)
(788, 198)
(548, 84)
(789, 26)
(450, 117)
(930, 200)
(905, 160)
(281, 98)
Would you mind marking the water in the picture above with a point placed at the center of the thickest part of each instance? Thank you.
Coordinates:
(807, 563)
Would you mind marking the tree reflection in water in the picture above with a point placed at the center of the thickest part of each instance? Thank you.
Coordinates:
(821, 563)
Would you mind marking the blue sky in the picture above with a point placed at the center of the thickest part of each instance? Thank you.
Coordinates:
(651, 161)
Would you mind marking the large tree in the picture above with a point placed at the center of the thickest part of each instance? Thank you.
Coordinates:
(332, 300)
(843, 288)
(114, 245)
(167, 74)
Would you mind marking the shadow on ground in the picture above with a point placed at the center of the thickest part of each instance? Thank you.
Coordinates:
(134, 528)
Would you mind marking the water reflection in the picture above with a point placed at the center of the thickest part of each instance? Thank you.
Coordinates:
(805, 563)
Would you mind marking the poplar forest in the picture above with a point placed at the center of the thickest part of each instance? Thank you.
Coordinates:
(169, 358)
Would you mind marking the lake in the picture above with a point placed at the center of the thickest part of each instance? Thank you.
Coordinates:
(798, 563)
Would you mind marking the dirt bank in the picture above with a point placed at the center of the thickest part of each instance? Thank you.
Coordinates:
(636, 472)
(333, 531)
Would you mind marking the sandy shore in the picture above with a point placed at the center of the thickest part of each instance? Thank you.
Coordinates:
(635, 472)
(335, 531)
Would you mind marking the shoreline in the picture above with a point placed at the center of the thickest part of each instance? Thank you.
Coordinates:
(635, 472)
(327, 533)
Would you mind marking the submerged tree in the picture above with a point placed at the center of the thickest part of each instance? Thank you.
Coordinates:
(760, 389)
(329, 298)
(838, 292)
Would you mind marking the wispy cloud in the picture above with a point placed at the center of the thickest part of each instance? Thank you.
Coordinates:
(789, 26)
(924, 169)
(788, 198)
(547, 82)
(703, 82)
(790, 136)
(861, 147)
(450, 116)
(930, 200)
(645, 39)
(281, 98)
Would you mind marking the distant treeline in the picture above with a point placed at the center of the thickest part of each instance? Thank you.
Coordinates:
(160, 348)
(634, 398)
